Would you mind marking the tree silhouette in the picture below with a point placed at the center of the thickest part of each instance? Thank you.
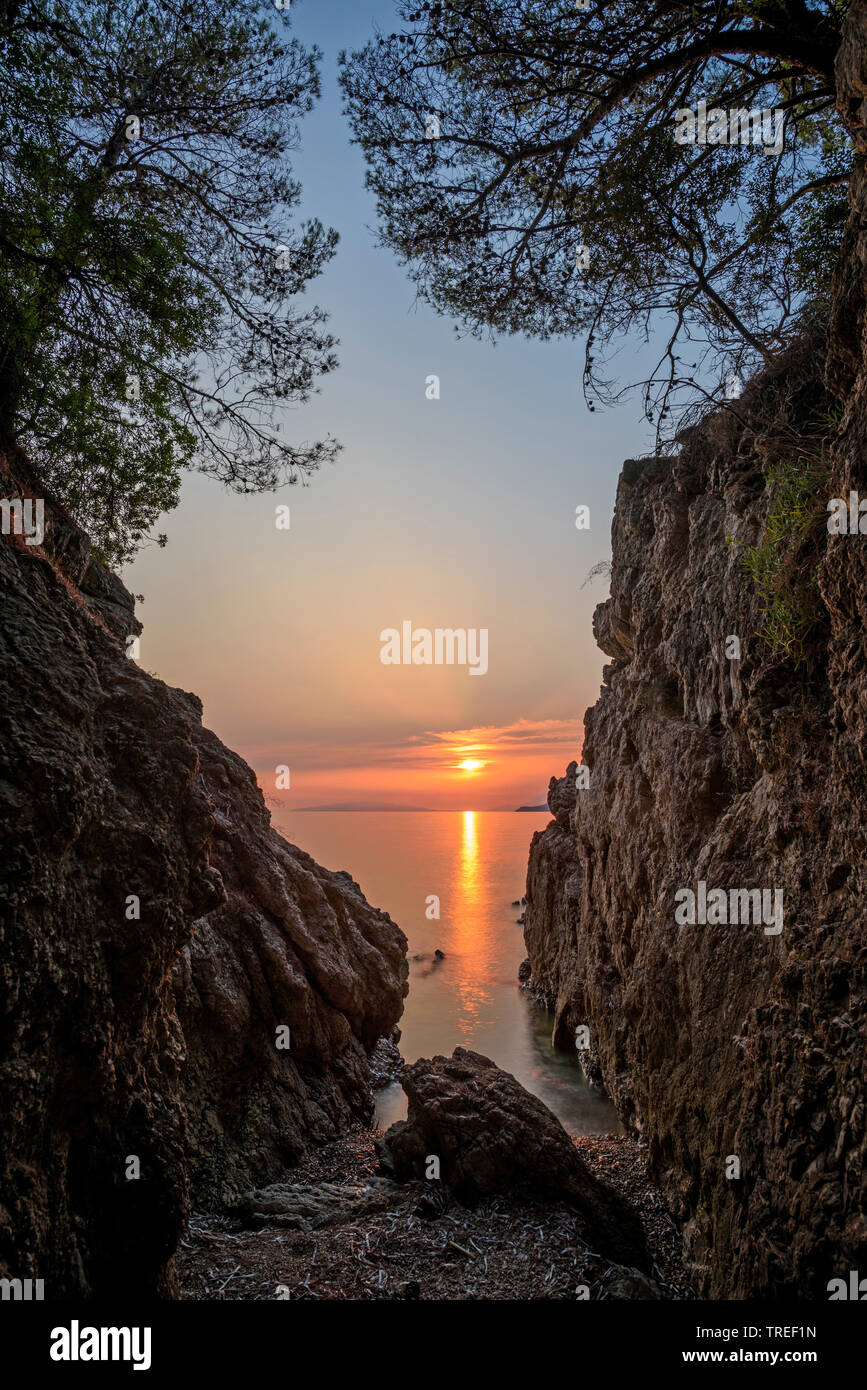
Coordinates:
(149, 257)
(526, 170)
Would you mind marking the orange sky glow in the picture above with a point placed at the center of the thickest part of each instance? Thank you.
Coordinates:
(477, 769)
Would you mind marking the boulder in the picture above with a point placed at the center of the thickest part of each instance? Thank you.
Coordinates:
(492, 1136)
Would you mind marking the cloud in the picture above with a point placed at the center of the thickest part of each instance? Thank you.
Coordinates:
(524, 733)
(434, 748)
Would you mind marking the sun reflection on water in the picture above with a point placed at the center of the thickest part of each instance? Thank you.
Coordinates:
(476, 862)
(471, 929)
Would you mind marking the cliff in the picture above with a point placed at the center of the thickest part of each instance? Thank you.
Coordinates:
(155, 934)
(729, 1041)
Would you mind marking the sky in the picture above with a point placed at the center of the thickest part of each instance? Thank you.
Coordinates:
(456, 513)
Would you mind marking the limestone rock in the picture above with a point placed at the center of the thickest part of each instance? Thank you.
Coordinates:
(293, 945)
(719, 1041)
(561, 797)
(724, 1041)
(386, 1064)
(154, 932)
(492, 1136)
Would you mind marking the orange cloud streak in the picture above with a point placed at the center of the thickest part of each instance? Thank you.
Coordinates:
(423, 771)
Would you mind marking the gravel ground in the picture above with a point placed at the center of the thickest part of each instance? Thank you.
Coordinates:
(503, 1249)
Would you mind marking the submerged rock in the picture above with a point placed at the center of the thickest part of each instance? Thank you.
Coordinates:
(490, 1135)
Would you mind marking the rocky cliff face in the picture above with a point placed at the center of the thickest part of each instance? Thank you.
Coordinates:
(723, 1041)
(294, 945)
(155, 933)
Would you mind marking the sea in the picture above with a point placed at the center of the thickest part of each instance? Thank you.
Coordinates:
(469, 867)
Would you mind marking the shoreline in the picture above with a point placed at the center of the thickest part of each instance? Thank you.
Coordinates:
(379, 1240)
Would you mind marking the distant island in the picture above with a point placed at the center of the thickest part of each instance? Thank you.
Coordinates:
(543, 807)
(354, 806)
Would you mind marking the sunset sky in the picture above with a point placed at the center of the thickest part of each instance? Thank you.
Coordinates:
(452, 513)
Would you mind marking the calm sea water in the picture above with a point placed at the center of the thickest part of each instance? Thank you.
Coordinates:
(476, 864)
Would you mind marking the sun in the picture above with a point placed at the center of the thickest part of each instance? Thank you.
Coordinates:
(470, 765)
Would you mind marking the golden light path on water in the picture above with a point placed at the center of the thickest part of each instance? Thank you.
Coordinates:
(471, 929)
(453, 881)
